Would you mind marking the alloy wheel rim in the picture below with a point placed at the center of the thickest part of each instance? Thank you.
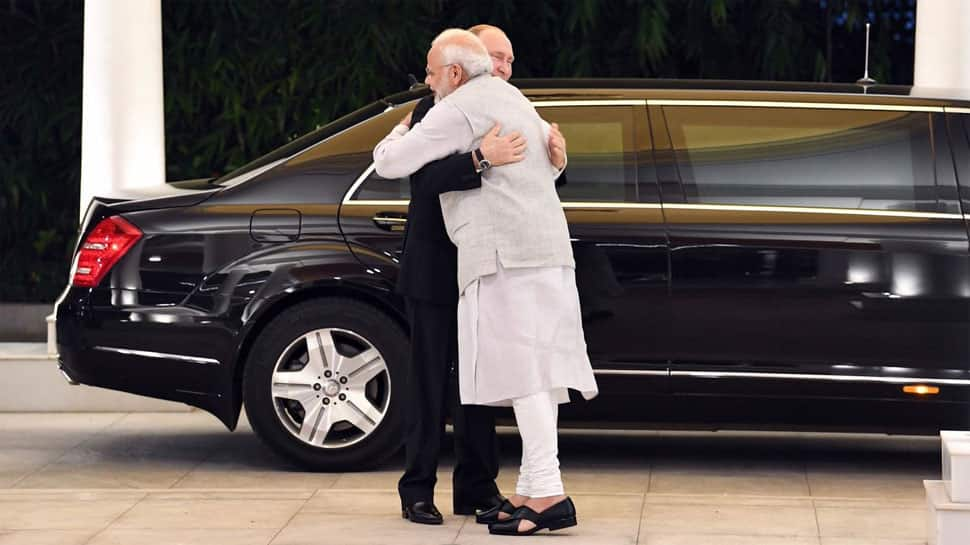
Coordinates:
(331, 388)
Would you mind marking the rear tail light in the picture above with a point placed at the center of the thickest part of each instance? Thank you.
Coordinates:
(103, 247)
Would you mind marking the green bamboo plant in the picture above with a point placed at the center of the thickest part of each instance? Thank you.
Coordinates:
(243, 77)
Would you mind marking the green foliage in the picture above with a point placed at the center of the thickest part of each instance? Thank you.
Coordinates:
(246, 76)
(40, 148)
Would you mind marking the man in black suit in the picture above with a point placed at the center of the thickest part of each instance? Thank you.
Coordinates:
(428, 281)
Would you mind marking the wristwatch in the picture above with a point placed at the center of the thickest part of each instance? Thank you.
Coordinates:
(483, 163)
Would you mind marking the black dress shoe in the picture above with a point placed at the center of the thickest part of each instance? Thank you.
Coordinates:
(422, 512)
(560, 515)
(475, 507)
(491, 515)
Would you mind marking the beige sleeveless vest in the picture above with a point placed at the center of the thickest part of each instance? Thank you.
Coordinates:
(516, 214)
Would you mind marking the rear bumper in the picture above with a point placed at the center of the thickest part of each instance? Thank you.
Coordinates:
(105, 347)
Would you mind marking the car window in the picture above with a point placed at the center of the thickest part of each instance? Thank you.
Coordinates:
(601, 158)
(378, 188)
(601, 152)
(863, 159)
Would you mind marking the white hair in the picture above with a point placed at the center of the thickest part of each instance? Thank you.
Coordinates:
(458, 46)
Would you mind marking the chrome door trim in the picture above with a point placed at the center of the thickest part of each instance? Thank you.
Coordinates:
(799, 105)
(158, 355)
(814, 210)
(632, 372)
(956, 110)
(785, 376)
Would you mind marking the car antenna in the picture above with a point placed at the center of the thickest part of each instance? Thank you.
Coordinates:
(865, 81)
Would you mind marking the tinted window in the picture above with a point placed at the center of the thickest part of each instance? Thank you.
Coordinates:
(601, 152)
(376, 188)
(878, 160)
(601, 164)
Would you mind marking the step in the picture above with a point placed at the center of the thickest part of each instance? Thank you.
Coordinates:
(948, 523)
(956, 465)
(23, 321)
(32, 382)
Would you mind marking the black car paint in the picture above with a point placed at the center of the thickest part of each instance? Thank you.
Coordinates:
(220, 279)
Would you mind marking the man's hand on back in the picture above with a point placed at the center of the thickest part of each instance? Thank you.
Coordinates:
(557, 147)
(502, 150)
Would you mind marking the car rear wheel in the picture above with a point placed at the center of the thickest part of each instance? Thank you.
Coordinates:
(324, 385)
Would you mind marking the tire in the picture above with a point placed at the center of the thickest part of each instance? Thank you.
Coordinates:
(314, 389)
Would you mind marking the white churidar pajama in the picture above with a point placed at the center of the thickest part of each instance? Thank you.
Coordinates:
(536, 416)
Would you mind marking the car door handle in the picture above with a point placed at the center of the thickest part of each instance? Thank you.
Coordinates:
(880, 295)
(389, 222)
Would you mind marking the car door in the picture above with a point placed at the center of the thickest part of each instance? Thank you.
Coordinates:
(612, 203)
(958, 125)
(373, 212)
(816, 250)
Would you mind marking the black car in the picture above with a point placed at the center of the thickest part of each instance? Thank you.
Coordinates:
(749, 255)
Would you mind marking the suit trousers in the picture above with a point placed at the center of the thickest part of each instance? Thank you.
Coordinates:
(431, 394)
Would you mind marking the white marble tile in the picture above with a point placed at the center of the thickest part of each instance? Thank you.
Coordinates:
(729, 518)
(45, 537)
(209, 514)
(859, 522)
(177, 536)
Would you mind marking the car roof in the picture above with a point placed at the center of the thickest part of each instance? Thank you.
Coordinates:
(647, 88)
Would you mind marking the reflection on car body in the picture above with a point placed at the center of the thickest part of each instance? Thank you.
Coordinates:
(757, 255)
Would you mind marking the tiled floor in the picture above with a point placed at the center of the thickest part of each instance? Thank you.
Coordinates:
(180, 478)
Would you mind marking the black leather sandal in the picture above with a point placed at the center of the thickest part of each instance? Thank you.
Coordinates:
(490, 516)
(556, 517)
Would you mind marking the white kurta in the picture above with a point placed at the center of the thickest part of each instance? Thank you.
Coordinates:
(520, 332)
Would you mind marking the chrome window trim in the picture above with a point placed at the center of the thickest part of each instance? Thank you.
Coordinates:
(158, 355)
(360, 179)
(815, 210)
(612, 205)
(799, 105)
(678, 206)
(956, 110)
(566, 205)
(591, 102)
(402, 202)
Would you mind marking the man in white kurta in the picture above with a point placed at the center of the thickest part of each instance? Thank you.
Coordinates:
(520, 336)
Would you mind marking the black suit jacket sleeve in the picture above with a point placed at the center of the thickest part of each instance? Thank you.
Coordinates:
(453, 173)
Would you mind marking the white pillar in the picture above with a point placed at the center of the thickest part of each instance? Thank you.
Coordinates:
(942, 56)
(123, 123)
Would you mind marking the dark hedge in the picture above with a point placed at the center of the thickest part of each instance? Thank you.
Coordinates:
(244, 77)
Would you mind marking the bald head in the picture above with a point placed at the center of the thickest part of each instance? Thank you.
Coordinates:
(499, 49)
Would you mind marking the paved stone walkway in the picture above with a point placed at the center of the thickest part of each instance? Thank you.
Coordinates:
(181, 478)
